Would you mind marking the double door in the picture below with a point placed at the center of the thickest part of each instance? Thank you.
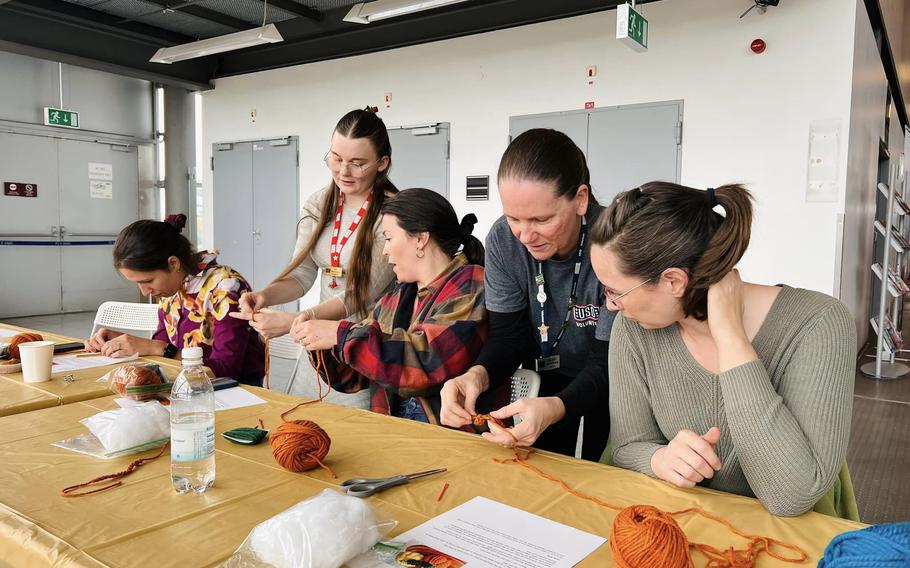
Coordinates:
(256, 206)
(56, 239)
(625, 146)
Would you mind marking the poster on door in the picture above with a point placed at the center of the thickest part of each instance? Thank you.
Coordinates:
(101, 172)
(101, 189)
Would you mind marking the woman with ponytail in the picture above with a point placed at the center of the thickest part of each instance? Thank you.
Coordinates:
(428, 329)
(339, 239)
(195, 295)
(713, 381)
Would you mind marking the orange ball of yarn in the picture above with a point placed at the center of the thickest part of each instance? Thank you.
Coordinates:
(19, 339)
(299, 445)
(134, 375)
(644, 536)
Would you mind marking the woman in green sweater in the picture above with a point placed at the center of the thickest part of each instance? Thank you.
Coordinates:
(714, 381)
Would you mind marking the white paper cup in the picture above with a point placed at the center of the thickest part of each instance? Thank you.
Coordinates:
(37, 358)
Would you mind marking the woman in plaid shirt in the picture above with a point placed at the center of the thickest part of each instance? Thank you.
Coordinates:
(428, 329)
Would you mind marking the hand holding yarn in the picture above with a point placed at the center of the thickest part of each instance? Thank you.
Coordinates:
(537, 414)
(688, 459)
(459, 397)
(316, 335)
(249, 304)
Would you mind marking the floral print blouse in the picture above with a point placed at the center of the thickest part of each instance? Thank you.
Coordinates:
(197, 316)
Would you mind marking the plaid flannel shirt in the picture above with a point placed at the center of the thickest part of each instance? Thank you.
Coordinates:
(405, 351)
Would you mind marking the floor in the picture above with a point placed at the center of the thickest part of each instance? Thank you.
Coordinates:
(878, 455)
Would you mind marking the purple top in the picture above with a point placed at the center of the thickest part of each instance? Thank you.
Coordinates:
(197, 316)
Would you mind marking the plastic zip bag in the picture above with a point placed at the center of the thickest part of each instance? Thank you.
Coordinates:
(122, 431)
(142, 381)
(324, 531)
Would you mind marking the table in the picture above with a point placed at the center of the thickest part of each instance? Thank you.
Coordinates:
(17, 396)
(145, 523)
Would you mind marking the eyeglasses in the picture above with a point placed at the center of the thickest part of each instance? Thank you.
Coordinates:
(617, 298)
(335, 163)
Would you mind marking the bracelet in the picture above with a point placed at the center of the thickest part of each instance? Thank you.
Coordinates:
(312, 313)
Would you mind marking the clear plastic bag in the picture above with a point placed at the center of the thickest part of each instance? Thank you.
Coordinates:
(324, 531)
(122, 431)
(141, 381)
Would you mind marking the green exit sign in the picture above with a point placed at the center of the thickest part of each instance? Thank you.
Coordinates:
(631, 27)
(60, 117)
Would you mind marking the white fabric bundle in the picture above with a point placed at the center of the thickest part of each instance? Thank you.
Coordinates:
(129, 427)
(324, 531)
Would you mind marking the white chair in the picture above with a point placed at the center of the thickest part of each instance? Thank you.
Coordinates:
(525, 384)
(127, 317)
(286, 348)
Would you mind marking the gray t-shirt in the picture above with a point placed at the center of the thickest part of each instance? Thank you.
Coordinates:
(509, 284)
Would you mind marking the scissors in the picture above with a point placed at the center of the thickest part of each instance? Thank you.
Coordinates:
(365, 487)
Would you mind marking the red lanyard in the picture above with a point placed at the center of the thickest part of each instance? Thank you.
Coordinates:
(335, 271)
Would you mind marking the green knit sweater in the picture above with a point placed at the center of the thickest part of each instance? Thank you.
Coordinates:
(784, 418)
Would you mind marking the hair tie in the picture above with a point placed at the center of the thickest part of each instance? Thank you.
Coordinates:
(371, 109)
(176, 220)
(711, 198)
(467, 226)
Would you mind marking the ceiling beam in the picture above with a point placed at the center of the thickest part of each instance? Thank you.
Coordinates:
(199, 12)
(47, 29)
(298, 9)
(308, 42)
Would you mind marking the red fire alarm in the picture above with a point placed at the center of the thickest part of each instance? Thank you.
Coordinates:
(758, 46)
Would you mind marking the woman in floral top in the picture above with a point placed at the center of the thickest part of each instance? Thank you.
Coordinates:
(196, 294)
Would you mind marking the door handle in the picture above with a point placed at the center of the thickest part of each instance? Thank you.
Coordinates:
(257, 234)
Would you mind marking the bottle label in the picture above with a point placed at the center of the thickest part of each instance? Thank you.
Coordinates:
(191, 442)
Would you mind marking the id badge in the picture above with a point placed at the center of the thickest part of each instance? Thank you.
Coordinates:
(334, 271)
(546, 363)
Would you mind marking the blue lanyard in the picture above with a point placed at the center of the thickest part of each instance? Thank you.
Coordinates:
(542, 295)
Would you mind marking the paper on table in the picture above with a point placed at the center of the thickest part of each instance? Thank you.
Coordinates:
(235, 397)
(8, 333)
(68, 363)
(487, 534)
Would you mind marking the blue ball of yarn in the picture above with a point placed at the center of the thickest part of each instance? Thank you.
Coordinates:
(879, 546)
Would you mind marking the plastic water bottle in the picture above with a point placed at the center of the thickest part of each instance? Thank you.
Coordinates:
(192, 426)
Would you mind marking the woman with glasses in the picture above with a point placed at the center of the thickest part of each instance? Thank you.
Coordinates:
(544, 302)
(740, 387)
(339, 237)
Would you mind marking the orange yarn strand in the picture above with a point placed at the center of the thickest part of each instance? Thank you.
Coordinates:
(644, 536)
(268, 382)
(480, 419)
(68, 492)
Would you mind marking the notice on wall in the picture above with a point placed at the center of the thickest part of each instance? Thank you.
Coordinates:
(486, 534)
(19, 189)
(101, 189)
(102, 172)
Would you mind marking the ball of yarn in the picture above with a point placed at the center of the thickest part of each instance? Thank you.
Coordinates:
(645, 536)
(878, 546)
(299, 445)
(134, 375)
(19, 339)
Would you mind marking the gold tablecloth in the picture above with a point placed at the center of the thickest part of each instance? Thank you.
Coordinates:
(17, 396)
(145, 523)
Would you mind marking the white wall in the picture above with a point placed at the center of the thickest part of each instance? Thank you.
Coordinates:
(746, 116)
(867, 125)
